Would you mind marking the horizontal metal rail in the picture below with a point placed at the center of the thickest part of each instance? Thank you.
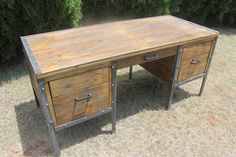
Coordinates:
(191, 79)
(83, 119)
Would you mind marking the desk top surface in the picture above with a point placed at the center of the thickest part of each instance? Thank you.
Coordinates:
(67, 49)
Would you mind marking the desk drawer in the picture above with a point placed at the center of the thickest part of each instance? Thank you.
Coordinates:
(147, 57)
(80, 95)
(194, 60)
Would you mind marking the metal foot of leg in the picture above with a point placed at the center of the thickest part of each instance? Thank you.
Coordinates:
(202, 86)
(113, 122)
(53, 137)
(169, 98)
(130, 72)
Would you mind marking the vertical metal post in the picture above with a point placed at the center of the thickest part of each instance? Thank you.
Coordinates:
(208, 66)
(176, 66)
(113, 84)
(130, 72)
(36, 99)
(31, 80)
(44, 103)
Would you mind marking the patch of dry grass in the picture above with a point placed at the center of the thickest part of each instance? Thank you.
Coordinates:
(194, 126)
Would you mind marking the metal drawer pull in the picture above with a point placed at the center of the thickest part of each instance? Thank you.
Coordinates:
(195, 61)
(156, 56)
(84, 98)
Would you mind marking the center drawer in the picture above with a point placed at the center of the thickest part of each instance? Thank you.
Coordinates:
(147, 57)
(81, 95)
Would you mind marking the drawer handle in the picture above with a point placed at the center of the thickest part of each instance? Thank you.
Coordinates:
(156, 56)
(84, 98)
(195, 61)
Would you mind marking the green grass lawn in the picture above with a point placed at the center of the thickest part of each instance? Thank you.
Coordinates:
(194, 126)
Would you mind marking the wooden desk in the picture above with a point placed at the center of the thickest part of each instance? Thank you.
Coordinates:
(73, 72)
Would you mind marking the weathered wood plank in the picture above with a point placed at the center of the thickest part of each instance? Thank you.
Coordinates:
(196, 50)
(77, 71)
(188, 70)
(161, 68)
(67, 110)
(75, 82)
(50, 104)
(140, 59)
(57, 52)
(64, 91)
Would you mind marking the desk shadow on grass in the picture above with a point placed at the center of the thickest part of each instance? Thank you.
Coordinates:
(143, 92)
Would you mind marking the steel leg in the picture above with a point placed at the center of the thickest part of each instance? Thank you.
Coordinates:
(45, 108)
(207, 68)
(114, 68)
(169, 97)
(173, 78)
(202, 86)
(130, 72)
(53, 137)
(36, 99)
(31, 80)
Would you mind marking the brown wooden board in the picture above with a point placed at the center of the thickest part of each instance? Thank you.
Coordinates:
(161, 68)
(60, 51)
(67, 109)
(64, 92)
(188, 70)
(140, 59)
(72, 83)
(198, 52)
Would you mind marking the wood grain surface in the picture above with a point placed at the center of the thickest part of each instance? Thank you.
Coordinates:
(60, 51)
(64, 91)
(198, 52)
(161, 68)
(140, 59)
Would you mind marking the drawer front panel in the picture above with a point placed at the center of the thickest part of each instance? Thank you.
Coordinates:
(73, 83)
(196, 50)
(143, 58)
(194, 60)
(81, 95)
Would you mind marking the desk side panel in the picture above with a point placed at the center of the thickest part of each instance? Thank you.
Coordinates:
(161, 68)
